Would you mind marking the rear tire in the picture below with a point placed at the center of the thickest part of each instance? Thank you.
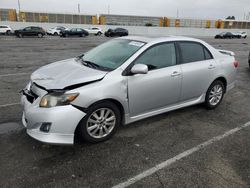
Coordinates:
(55, 34)
(100, 122)
(40, 35)
(215, 94)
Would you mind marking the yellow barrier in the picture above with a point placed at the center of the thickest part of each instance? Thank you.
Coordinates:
(94, 20)
(177, 23)
(161, 24)
(102, 20)
(208, 23)
(12, 15)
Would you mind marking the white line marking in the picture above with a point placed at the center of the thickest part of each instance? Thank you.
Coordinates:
(16, 74)
(6, 105)
(179, 157)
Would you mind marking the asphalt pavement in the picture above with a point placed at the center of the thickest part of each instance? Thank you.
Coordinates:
(135, 148)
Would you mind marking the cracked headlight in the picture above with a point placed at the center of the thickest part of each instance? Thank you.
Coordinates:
(57, 99)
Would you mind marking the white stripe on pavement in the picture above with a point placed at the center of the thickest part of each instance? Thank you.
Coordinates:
(16, 74)
(6, 105)
(179, 157)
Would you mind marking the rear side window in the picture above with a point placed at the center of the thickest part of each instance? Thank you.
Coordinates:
(3, 27)
(193, 52)
(207, 54)
(36, 28)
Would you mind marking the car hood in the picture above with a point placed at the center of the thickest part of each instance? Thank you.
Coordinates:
(66, 73)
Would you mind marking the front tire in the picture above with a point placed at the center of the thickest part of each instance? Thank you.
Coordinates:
(100, 122)
(215, 94)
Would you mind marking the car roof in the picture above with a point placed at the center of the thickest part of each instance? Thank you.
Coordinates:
(153, 39)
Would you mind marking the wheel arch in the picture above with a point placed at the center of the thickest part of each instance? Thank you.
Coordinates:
(114, 101)
(223, 80)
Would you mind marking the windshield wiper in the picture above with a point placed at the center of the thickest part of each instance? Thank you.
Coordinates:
(94, 65)
(90, 64)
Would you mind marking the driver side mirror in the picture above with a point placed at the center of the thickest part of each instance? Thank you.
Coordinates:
(139, 69)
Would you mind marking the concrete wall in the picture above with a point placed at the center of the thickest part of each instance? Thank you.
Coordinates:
(134, 30)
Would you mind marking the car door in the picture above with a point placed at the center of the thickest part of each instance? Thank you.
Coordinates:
(160, 87)
(35, 31)
(3, 29)
(79, 31)
(117, 32)
(73, 32)
(198, 69)
(26, 31)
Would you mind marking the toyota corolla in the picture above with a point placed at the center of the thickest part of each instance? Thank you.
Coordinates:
(122, 81)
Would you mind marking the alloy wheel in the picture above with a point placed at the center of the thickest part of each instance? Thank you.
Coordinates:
(215, 95)
(101, 123)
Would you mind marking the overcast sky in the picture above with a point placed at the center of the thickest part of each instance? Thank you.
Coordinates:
(212, 9)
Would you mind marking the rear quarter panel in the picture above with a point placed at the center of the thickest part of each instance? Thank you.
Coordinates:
(227, 69)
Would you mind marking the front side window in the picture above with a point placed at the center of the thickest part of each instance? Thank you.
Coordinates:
(113, 53)
(192, 52)
(160, 56)
(27, 28)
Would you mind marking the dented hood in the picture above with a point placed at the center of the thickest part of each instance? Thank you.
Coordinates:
(62, 74)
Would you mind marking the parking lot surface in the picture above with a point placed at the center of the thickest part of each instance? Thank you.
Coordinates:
(135, 148)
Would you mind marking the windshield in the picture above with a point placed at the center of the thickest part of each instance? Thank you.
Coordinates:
(113, 53)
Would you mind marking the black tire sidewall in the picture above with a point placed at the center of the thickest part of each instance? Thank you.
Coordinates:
(83, 123)
(207, 103)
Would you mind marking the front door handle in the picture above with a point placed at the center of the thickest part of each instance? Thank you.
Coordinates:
(175, 73)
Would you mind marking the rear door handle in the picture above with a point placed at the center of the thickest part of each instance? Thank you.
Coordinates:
(175, 73)
(211, 66)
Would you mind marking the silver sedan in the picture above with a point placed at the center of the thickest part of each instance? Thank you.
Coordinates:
(122, 81)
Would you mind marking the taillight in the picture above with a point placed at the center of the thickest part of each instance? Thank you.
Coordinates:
(236, 64)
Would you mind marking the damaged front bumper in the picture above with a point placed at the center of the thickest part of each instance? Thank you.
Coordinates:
(54, 125)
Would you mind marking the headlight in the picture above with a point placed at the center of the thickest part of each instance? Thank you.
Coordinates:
(57, 99)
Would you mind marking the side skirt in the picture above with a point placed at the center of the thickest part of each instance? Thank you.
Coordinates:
(132, 119)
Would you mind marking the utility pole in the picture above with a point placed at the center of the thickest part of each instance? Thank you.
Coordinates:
(177, 13)
(79, 10)
(108, 8)
(19, 7)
